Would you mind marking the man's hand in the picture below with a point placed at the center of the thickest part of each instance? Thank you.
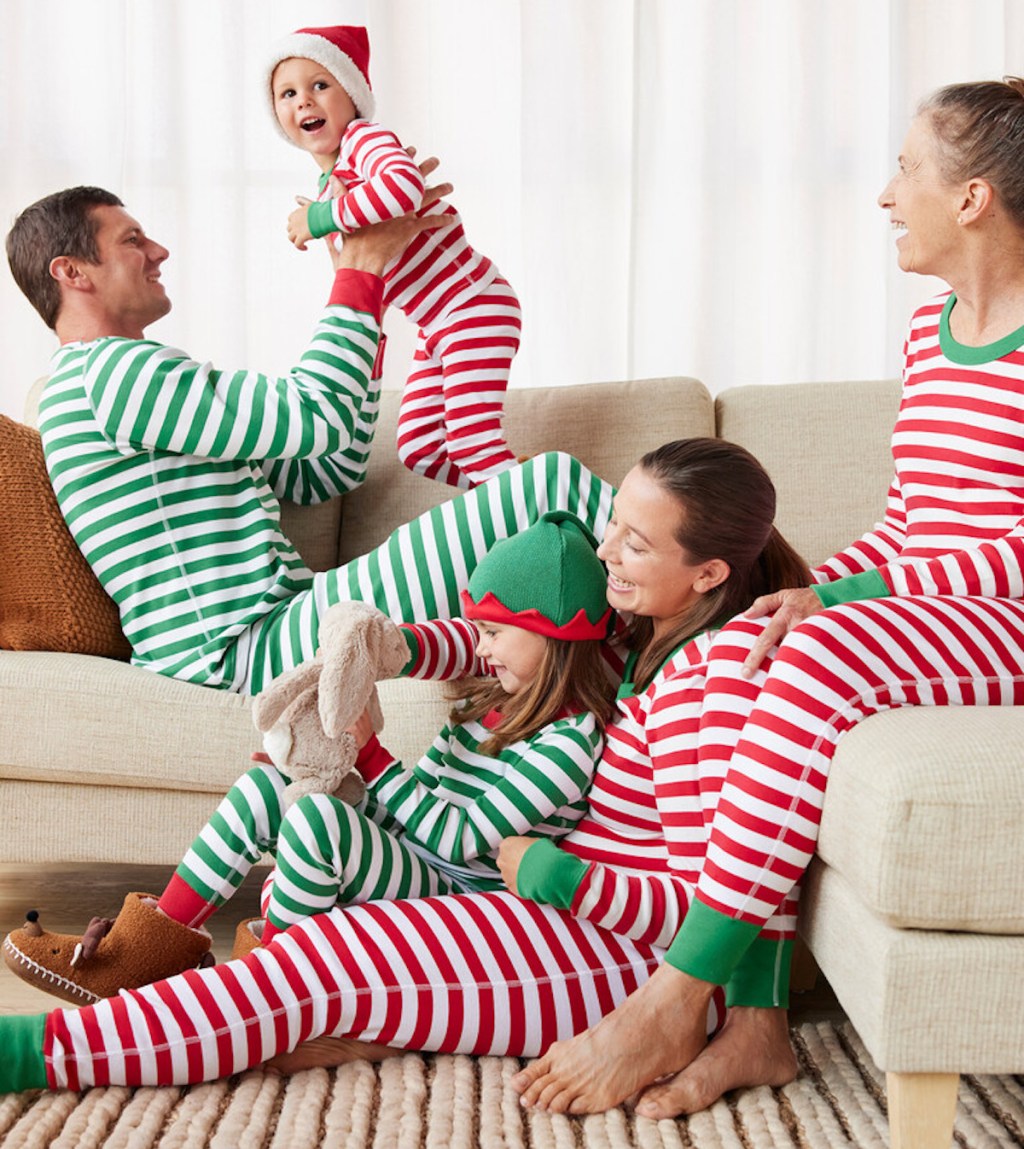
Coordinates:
(373, 248)
(298, 223)
(510, 855)
(787, 608)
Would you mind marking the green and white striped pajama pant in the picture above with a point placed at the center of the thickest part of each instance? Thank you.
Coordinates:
(417, 572)
(327, 854)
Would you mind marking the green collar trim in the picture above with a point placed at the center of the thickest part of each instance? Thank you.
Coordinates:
(627, 688)
(972, 356)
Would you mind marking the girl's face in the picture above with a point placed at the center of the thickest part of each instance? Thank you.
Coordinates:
(312, 108)
(514, 654)
(922, 207)
(649, 573)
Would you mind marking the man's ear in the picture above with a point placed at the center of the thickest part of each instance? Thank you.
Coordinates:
(70, 273)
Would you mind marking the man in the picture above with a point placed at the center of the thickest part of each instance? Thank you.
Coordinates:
(168, 470)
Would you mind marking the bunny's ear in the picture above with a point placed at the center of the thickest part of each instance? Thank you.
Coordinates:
(270, 704)
(350, 639)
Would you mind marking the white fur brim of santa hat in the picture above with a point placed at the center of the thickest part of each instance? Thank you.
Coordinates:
(343, 50)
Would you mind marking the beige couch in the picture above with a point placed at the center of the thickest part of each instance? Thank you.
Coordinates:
(914, 909)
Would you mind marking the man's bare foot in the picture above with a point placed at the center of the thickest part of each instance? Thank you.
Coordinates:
(752, 1048)
(659, 1029)
(326, 1052)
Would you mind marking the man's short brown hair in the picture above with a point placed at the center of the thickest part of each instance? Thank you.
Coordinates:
(58, 224)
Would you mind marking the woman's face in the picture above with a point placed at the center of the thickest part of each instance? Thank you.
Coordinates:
(922, 207)
(649, 573)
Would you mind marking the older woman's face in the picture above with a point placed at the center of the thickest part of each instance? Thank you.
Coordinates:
(922, 207)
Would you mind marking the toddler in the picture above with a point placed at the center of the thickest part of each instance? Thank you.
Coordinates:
(468, 316)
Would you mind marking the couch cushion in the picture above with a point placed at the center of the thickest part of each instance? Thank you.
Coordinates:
(923, 1001)
(313, 531)
(645, 413)
(49, 597)
(92, 721)
(923, 817)
(826, 447)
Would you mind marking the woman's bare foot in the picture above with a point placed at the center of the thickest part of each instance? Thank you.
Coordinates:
(659, 1029)
(326, 1052)
(752, 1048)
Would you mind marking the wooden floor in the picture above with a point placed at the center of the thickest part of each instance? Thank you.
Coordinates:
(68, 896)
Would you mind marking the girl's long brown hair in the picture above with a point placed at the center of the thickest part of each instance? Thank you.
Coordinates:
(572, 676)
(728, 511)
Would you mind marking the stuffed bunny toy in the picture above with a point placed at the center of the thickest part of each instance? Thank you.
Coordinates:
(304, 714)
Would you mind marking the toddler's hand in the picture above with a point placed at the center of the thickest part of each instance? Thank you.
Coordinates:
(362, 729)
(298, 226)
(510, 856)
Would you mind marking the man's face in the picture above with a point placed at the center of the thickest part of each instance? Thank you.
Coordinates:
(126, 279)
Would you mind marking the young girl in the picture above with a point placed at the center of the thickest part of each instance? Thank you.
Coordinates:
(449, 425)
(517, 756)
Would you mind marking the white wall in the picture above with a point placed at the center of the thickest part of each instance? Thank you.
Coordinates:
(673, 186)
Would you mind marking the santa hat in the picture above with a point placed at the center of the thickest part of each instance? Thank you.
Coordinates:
(547, 579)
(343, 50)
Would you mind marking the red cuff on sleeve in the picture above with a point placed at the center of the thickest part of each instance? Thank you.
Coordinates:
(359, 290)
(372, 760)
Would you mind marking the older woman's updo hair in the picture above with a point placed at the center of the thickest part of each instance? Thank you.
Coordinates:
(728, 512)
(981, 129)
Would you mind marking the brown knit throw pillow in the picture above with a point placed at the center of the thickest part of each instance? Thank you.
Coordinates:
(49, 597)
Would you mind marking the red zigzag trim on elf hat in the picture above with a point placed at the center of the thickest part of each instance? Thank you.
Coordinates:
(577, 629)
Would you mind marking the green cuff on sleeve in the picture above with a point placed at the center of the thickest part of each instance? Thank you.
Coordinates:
(320, 219)
(22, 1065)
(550, 876)
(853, 588)
(709, 945)
(761, 976)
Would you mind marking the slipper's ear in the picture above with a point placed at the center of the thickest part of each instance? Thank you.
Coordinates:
(271, 703)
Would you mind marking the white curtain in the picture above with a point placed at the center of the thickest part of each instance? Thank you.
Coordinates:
(674, 187)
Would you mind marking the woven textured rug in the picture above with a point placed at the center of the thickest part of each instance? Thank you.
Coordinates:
(445, 1102)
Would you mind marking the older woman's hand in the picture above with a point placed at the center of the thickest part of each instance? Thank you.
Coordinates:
(510, 855)
(787, 608)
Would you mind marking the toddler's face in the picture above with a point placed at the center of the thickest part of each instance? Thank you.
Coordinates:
(311, 106)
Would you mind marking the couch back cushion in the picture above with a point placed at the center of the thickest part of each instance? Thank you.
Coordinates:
(607, 426)
(826, 447)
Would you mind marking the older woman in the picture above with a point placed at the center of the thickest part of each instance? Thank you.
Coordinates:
(924, 610)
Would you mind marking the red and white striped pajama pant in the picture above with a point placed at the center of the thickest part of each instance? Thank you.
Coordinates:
(769, 741)
(462, 973)
(449, 421)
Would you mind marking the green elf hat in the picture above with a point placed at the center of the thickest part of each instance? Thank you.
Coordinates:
(547, 579)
